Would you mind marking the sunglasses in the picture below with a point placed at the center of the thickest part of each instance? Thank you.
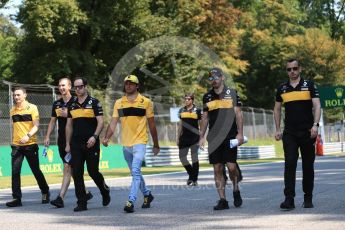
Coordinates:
(213, 78)
(79, 86)
(293, 68)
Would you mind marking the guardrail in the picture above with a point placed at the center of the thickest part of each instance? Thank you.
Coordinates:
(170, 155)
(333, 147)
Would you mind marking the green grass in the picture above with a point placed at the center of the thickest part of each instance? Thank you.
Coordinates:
(268, 141)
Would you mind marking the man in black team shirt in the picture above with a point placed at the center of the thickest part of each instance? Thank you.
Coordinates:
(59, 113)
(84, 124)
(299, 96)
(188, 137)
(223, 114)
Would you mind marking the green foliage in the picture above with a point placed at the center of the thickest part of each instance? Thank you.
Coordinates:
(252, 38)
(8, 40)
(3, 3)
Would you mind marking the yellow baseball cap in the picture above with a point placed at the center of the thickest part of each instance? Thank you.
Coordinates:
(132, 78)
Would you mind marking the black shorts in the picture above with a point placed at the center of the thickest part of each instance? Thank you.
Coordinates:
(223, 153)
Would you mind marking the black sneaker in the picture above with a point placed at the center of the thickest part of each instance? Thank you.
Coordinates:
(129, 207)
(89, 195)
(308, 202)
(237, 199)
(288, 204)
(14, 203)
(106, 199)
(80, 208)
(45, 198)
(189, 182)
(58, 202)
(147, 201)
(195, 183)
(221, 205)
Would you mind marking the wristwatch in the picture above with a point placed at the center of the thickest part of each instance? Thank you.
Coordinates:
(95, 136)
(316, 124)
(28, 134)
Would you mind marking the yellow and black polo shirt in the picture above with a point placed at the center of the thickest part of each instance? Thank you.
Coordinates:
(133, 117)
(22, 119)
(190, 125)
(298, 104)
(84, 117)
(221, 113)
(58, 107)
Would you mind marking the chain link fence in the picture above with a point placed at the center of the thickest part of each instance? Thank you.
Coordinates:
(258, 123)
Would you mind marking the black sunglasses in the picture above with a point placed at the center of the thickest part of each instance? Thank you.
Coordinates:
(79, 86)
(293, 68)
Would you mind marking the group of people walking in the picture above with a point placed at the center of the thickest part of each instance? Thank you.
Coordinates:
(80, 123)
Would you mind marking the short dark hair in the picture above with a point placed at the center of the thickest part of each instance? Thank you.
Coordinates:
(292, 60)
(20, 88)
(82, 79)
(191, 95)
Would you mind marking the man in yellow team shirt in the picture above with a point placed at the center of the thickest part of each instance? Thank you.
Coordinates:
(25, 122)
(134, 111)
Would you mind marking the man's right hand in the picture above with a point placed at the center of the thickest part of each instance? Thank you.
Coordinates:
(68, 148)
(278, 135)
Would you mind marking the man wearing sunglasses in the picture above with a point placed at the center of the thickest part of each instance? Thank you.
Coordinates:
(222, 112)
(84, 125)
(188, 137)
(299, 97)
(59, 113)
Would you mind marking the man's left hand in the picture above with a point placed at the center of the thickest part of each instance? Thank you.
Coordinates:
(313, 131)
(240, 139)
(155, 150)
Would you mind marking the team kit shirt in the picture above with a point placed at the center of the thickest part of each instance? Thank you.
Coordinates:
(22, 119)
(221, 114)
(84, 117)
(298, 104)
(58, 107)
(190, 125)
(133, 117)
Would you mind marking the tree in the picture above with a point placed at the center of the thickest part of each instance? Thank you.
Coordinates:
(8, 39)
(325, 14)
(266, 23)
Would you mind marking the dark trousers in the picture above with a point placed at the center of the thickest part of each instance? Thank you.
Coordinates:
(292, 141)
(80, 155)
(31, 154)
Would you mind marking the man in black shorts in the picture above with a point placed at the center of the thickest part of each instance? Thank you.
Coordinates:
(59, 113)
(223, 114)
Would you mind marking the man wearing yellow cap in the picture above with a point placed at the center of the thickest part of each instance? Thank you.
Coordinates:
(134, 112)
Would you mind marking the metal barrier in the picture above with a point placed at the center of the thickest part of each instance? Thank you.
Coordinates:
(170, 155)
(333, 147)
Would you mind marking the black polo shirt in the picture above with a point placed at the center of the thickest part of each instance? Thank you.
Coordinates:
(58, 107)
(190, 125)
(221, 113)
(298, 104)
(84, 117)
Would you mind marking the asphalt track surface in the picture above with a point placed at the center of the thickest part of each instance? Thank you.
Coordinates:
(177, 206)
